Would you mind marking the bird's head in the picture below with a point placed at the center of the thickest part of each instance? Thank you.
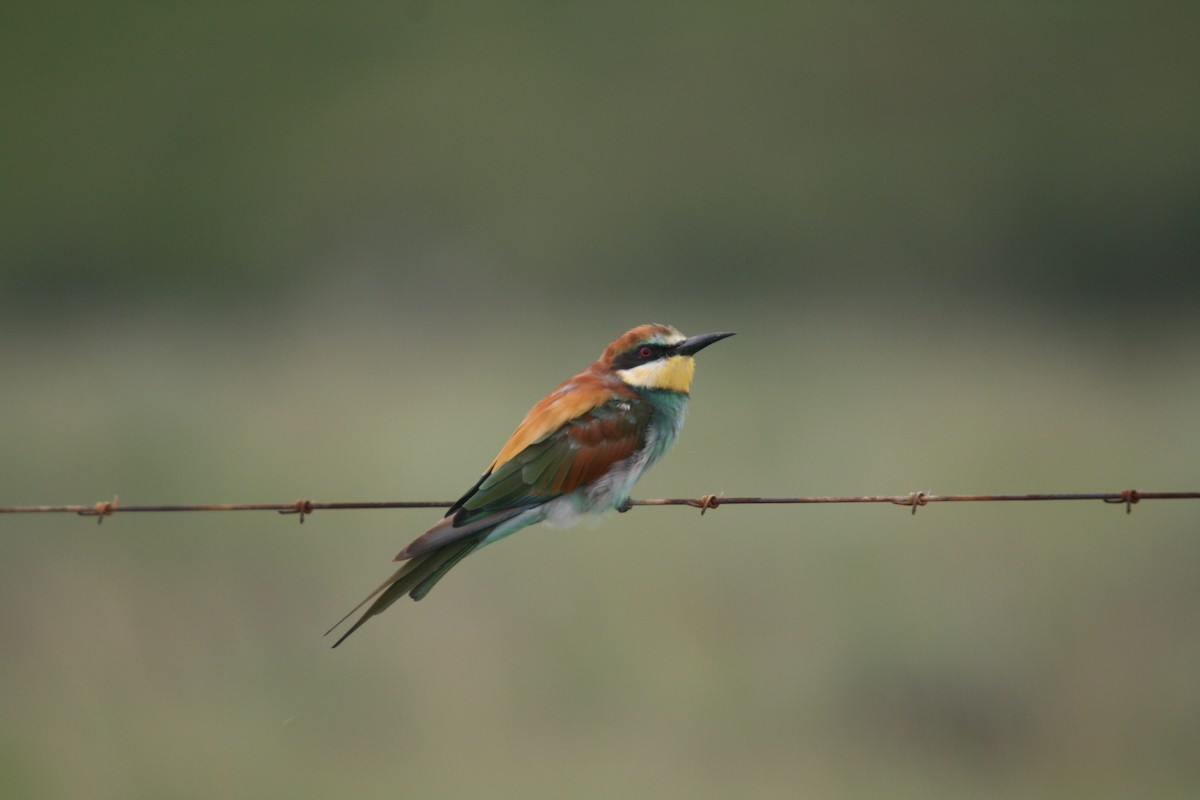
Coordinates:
(656, 357)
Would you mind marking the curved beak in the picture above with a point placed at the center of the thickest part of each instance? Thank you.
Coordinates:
(694, 344)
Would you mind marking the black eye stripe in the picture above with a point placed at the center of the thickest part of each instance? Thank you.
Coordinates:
(633, 357)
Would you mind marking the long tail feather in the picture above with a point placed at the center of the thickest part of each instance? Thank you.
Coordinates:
(394, 577)
(414, 575)
(430, 580)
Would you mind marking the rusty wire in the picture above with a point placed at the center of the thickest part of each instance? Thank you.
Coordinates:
(913, 500)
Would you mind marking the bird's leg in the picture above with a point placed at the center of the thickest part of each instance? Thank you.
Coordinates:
(626, 504)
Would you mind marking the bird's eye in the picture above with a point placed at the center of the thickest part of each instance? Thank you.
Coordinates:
(645, 351)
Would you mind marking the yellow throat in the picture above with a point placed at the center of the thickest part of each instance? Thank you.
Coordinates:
(674, 373)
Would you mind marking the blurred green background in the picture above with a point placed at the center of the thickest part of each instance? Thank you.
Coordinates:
(280, 250)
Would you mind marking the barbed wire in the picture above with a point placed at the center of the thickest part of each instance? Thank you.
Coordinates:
(914, 500)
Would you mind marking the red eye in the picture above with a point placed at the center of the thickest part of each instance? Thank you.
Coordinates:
(645, 352)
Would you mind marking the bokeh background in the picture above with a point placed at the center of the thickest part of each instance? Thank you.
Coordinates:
(280, 250)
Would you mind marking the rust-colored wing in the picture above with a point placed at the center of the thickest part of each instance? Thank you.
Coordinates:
(571, 400)
(575, 454)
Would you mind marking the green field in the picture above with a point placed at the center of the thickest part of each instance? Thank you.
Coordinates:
(1013, 650)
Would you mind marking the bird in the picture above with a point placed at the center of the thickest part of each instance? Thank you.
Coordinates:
(576, 454)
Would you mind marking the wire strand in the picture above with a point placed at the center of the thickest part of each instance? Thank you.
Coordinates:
(914, 500)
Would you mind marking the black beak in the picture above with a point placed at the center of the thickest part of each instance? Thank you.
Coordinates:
(695, 344)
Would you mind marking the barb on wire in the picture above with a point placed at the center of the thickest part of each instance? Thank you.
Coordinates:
(1128, 497)
(913, 500)
(105, 508)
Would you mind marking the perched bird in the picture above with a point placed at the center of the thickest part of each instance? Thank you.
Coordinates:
(578, 452)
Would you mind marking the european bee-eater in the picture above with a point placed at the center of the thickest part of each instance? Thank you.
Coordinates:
(578, 452)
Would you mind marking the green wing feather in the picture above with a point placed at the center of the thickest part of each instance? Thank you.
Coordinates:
(577, 453)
